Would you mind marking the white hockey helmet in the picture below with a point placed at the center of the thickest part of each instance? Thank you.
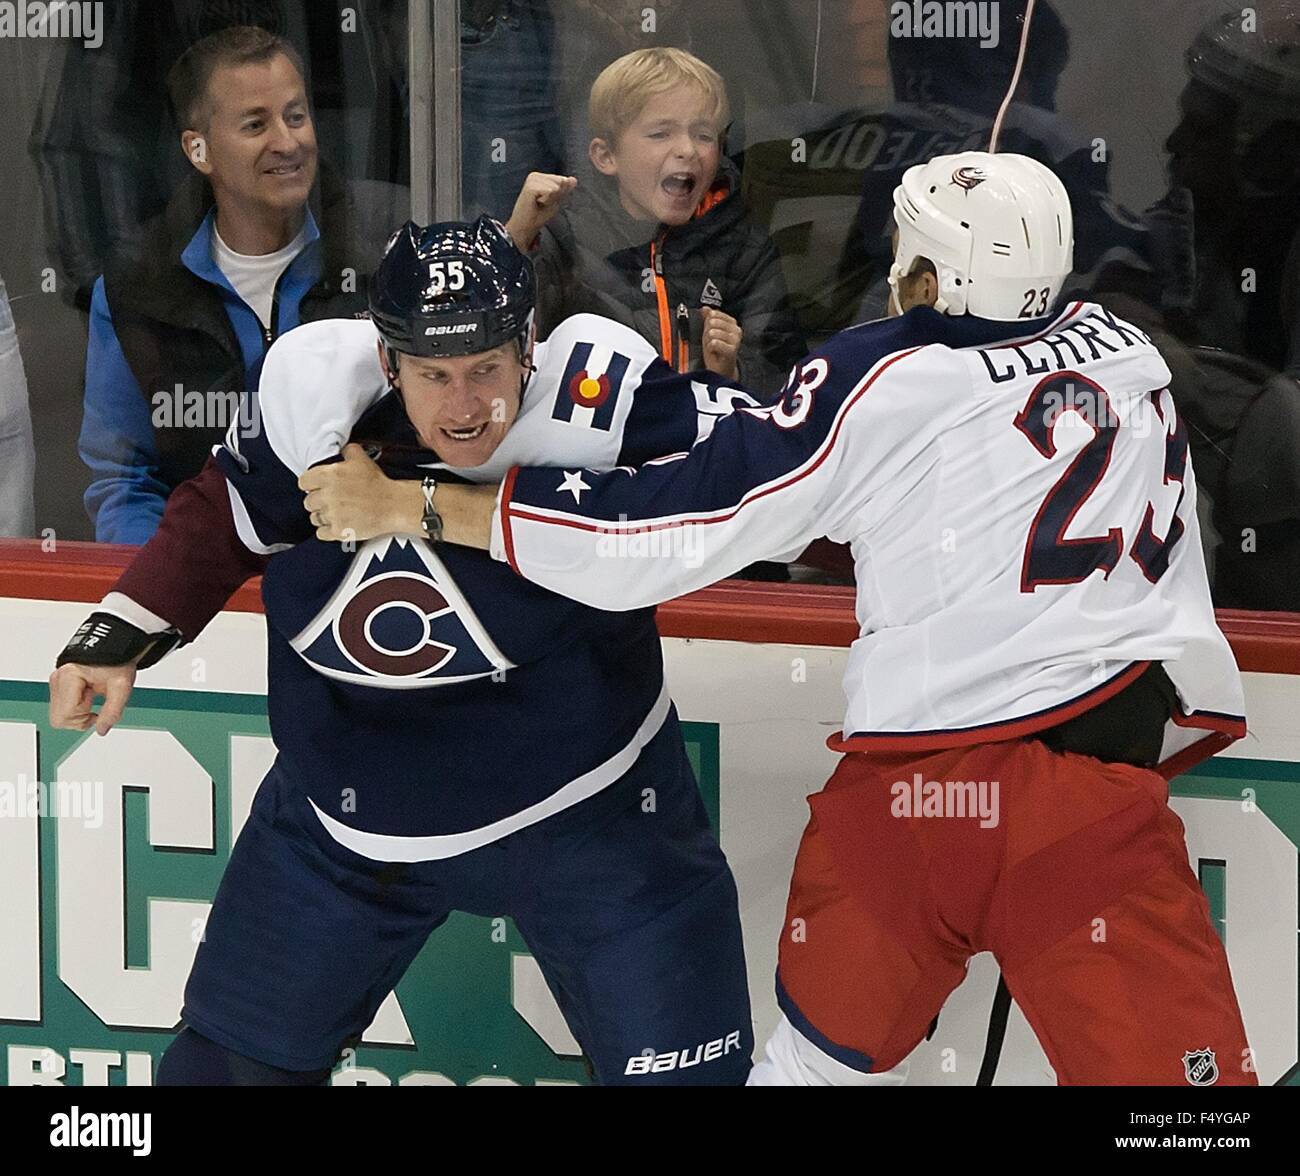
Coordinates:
(998, 229)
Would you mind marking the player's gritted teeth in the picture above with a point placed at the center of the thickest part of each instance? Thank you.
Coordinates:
(465, 446)
(468, 433)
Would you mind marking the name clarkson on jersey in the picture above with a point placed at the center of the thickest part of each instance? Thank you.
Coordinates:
(1070, 347)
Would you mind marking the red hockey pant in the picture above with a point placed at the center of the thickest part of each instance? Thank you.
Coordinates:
(1075, 877)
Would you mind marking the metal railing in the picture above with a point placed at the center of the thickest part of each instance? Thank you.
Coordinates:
(434, 88)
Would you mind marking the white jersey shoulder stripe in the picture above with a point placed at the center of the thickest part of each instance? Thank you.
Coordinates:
(244, 526)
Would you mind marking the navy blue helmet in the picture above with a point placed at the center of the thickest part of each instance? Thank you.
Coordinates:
(452, 289)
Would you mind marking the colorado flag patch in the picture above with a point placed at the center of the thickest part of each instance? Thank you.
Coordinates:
(588, 393)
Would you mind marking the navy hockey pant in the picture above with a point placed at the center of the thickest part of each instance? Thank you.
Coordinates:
(629, 908)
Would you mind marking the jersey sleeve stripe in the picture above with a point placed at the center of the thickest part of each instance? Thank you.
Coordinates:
(1198, 752)
(503, 510)
(1234, 725)
(246, 530)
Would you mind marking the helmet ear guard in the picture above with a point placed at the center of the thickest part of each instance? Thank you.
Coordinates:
(945, 279)
(945, 243)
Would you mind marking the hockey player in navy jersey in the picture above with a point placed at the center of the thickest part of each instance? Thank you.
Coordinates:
(1038, 651)
(449, 736)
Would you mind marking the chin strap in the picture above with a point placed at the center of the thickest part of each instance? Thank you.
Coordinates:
(895, 273)
(395, 388)
(525, 357)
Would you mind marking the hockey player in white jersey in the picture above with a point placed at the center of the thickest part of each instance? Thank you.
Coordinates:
(1036, 630)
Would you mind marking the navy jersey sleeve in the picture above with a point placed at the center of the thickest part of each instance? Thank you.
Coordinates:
(264, 496)
(673, 411)
(196, 560)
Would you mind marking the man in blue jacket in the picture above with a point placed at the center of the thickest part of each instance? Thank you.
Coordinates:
(178, 330)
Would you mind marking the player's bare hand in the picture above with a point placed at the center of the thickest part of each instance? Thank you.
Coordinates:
(354, 499)
(541, 197)
(722, 336)
(74, 688)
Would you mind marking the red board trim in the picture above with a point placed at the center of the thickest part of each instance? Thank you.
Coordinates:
(733, 610)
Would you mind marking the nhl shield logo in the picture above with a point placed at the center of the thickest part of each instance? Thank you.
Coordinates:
(1200, 1067)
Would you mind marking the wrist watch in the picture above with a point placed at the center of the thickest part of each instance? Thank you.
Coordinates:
(431, 521)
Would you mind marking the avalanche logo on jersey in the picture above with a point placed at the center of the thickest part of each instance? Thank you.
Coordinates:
(589, 390)
(398, 622)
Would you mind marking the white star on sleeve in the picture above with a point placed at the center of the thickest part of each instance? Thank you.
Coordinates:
(574, 484)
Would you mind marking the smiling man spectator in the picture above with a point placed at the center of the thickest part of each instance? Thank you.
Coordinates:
(239, 256)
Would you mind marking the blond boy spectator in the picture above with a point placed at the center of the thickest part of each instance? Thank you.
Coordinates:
(656, 236)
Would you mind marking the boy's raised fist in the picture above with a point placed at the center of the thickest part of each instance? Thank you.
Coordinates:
(541, 197)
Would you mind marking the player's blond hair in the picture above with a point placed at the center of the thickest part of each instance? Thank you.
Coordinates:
(624, 86)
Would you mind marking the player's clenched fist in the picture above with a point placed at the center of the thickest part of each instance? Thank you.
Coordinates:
(541, 197)
(353, 499)
(722, 336)
(74, 688)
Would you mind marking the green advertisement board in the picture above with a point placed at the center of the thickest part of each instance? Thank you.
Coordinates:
(103, 895)
(457, 999)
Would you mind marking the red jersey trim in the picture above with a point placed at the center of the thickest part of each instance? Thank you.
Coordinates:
(1234, 725)
(989, 732)
(507, 536)
(1202, 749)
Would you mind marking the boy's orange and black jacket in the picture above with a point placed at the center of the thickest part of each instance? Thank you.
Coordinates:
(594, 258)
